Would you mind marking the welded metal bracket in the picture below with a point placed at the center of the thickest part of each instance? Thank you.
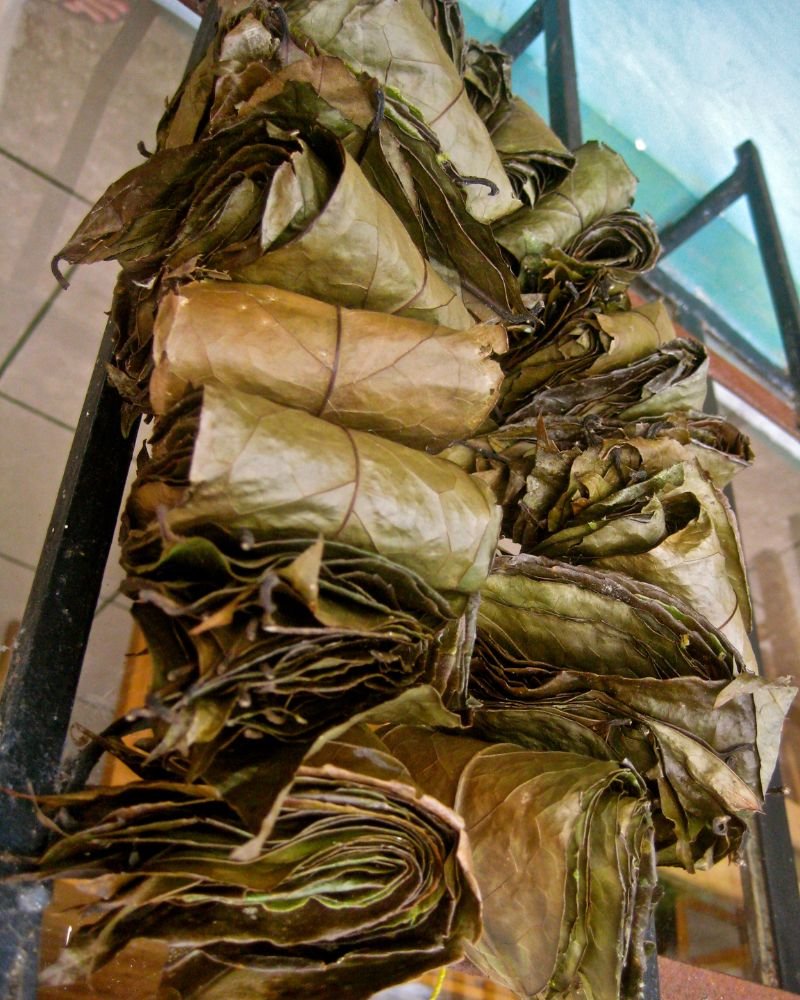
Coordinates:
(748, 180)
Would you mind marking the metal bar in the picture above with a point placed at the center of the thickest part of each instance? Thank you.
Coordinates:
(562, 77)
(748, 179)
(706, 324)
(769, 880)
(525, 30)
(705, 211)
(652, 980)
(782, 288)
(37, 698)
(552, 17)
(773, 844)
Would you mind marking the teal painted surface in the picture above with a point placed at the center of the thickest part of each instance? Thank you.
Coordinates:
(691, 80)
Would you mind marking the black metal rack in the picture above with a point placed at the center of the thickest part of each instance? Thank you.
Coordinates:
(37, 699)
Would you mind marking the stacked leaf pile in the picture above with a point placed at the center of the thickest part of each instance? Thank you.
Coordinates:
(445, 605)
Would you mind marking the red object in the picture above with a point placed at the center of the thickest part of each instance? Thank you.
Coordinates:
(685, 982)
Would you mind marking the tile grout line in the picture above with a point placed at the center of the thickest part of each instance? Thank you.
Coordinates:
(29, 330)
(37, 412)
(107, 602)
(17, 562)
(43, 175)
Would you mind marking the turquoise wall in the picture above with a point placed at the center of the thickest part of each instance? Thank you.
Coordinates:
(689, 79)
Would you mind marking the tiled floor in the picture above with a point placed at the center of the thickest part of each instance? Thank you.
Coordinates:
(75, 99)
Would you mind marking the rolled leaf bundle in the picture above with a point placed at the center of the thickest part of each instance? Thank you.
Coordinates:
(671, 378)
(591, 343)
(536, 458)
(646, 509)
(283, 639)
(623, 245)
(719, 448)
(293, 220)
(534, 157)
(406, 380)
(487, 76)
(450, 232)
(256, 466)
(563, 855)
(250, 45)
(535, 608)
(599, 184)
(558, 303)
(358, 881)
(331, 235)
(183, 203)
(395, 42)
(340, 192)
(404, 162)
(708, 748)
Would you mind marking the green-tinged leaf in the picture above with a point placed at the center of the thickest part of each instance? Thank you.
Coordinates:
(360, 882)
(403, 162)
(538, 609)
(450, 231)
(631, 335)
(535, 459)
(283, 640)
(702, 755)
(696, 556)
(183, 202)
(487, 77)
(347, 247)
(594, 342)
(562, 852)
(395, 42)
(257, 793)
(409, 381)
(248, 44)
(644, 508)
(772, 702)
(622, 245)
(672, 378)
(318, 90)
(534, 157)
(599, 184)
(260, 467)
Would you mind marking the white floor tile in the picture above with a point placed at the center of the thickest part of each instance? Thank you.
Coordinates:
(33, 452)
(77, 97)
(15, 583)
(103, 667)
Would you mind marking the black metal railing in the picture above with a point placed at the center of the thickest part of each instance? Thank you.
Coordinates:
(39, 692)
(552, 17)
(749, 182)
